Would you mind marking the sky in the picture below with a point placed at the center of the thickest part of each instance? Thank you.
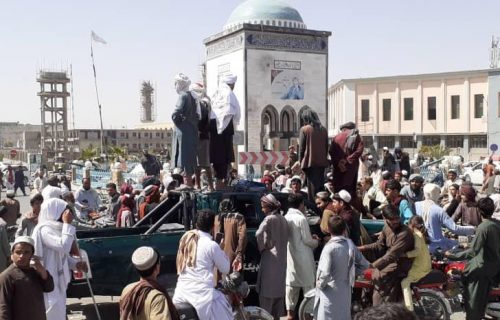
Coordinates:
(154, 40)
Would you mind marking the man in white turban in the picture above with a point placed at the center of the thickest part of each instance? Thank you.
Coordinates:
(54, 236)
(435, 218)
(225, 116)
(185, 117)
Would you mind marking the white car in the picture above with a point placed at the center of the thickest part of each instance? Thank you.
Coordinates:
(475, 174)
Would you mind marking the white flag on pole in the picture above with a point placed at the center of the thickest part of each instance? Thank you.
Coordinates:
(96, 38)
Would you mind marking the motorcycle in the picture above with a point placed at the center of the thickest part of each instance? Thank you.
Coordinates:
(429, 301)
(454, 288)
(236, 289)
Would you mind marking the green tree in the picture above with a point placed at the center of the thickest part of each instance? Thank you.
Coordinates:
(436, 151)
(115, 152)
(89, 153)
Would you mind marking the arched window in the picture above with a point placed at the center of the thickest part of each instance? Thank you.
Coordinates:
(304, 108)
(288, 120)
(270, 120)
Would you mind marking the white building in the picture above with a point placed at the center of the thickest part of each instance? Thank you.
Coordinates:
(459, 110)
(281, 68)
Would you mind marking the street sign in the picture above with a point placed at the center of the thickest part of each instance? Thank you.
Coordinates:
(13, 153)
(494, 147)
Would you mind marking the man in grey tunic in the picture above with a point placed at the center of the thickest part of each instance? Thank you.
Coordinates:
(186, 115)
(338, 265)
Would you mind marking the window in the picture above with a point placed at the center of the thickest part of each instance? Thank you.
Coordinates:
(455, 141)
(146, 146)
(367, 141)
(134, 145)
(431, 140)
(157, 134)
(122, 134)
(365, 110)
(388, 142)
(157, 145)
(431, 108)
(407, 142)
(478, 141)
(455, 107)
(134, 134)
(386, 109)
(408, 109)
(478, 105)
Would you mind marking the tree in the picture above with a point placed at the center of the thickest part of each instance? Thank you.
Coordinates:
(115, 152)
(435, 152)
(89, 153)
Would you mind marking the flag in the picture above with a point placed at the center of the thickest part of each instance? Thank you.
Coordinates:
(96, 38)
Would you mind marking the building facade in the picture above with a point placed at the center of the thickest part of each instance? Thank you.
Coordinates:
(458, 110)
(281, 68)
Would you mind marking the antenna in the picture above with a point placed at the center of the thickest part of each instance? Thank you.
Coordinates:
(494, 53)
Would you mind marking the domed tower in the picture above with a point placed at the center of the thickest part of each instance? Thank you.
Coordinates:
(282, 69)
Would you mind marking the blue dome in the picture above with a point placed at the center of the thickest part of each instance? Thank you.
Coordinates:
(267, 12)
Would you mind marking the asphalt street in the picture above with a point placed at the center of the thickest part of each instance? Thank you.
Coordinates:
(84, 309)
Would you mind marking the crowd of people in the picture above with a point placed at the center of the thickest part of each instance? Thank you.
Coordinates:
(334, 178)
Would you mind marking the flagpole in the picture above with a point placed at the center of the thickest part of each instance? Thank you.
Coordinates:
(97, 95)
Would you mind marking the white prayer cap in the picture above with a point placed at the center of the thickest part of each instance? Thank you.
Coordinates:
(370, 157)
(386, 149)
(182, 82)
(177, 171)
(229, 78)
(23, 239)
(342, 195)
(10, 193)
(404, 173)
(144, 258)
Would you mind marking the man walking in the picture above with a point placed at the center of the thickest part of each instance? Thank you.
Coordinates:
(19, 180)
(484, 262)
(21, 284)
(300, 259)
(146, 299)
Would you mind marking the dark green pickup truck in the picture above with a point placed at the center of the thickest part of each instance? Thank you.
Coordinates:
(109, 249)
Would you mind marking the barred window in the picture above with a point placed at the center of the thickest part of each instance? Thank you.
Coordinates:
(407, 142)
(367, 141)
(431, 140)
(478, 141)
(365, 110)
(408, 109)
(455, 141)
(386, 141)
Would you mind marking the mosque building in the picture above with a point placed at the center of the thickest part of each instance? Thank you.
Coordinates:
(282, 69)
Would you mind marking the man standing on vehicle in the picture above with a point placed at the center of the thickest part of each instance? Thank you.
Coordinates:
(87, 200)
(146, 299)
(197, 257)
(300, 259)
(483, 267)
(395, 240)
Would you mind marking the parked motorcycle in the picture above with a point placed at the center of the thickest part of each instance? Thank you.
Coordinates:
(429, 301)
(236, 289)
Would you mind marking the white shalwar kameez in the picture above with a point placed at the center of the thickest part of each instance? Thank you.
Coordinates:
(300, 266)
(53, 241)
(196, 285)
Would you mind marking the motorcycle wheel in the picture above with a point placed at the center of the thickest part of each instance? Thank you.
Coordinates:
(430, 306)
(306, 308)
(253, 313)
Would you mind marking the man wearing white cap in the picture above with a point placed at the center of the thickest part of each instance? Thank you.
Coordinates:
(22, 284)
(146, 299)
(224, 118)
(341, 206)
(185, 117)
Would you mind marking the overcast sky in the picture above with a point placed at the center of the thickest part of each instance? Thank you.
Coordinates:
(154, 40)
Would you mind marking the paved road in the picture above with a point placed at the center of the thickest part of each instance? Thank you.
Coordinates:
(83, 309)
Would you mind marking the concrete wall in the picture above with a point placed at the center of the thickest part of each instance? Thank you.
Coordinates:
(493, 107)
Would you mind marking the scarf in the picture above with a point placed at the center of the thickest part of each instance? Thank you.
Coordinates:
(133, 302)
(50, 213)
(469, 192)
(222, 109)
(127, 204)
(186, 255)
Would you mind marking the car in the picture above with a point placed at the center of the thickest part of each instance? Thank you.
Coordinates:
(109, 250)
(474, 173)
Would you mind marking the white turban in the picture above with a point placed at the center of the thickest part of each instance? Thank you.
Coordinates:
(229, 78)
(52, 210)
(197, 88)
(432, 192)
(182, 83)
